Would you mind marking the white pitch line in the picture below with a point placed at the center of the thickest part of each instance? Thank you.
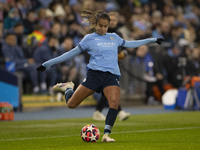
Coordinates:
(138, 131)
(37, 138)
(156, 130)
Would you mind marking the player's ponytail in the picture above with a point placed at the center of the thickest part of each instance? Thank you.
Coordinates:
(92, 17)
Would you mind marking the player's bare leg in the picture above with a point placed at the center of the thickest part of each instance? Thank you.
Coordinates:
(112, 94)
(79, 95)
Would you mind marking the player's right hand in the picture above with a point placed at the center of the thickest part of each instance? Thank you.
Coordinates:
(41, 68)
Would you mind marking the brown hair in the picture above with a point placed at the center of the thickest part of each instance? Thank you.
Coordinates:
(92, 17)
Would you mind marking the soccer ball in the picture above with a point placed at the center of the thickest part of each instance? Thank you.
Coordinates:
(90, 133)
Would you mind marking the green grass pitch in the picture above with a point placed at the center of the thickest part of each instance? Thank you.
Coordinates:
(170, 131)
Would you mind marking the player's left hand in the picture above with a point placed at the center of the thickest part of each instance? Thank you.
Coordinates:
(159, 40)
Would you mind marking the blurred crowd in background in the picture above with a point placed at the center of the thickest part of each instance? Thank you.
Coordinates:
(34, 31)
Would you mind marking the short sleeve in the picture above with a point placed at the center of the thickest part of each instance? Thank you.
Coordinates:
(83, 44)
(119, 40)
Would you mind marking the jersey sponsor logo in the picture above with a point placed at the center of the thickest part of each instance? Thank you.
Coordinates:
(106, 44)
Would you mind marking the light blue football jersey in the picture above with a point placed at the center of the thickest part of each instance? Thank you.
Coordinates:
(103, 50)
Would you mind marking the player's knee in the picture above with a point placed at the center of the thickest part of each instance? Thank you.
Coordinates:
(71, 105)
(114, 104)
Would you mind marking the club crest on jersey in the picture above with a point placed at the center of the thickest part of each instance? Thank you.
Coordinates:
(112, 38)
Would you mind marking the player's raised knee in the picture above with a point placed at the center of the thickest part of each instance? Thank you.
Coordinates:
(71, 105)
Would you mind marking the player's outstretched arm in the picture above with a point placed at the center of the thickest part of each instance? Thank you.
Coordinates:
(137, 43)
(64, 57)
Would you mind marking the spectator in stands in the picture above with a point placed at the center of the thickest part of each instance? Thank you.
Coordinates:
(196, 60)
(70, 16)
(33, 40)
(55, 30)
(50, 16)
(59, 13)
(165, 31)
(64, 32)
(177, 66)
(44, 53)
(192, 56)
(89, 5)
(19, 32)
(197, 40)
(23, 6)
(176, 34)
(156, 18)
(189, 34)
(13, 53)
(151, 77)
(42, 17)
(156, 21)
(12, 18)
(174, 72)
(29, 22)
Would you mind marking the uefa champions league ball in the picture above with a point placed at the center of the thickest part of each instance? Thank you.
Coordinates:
(90, 133)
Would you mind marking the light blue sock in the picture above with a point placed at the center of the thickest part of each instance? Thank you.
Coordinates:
(68, 94)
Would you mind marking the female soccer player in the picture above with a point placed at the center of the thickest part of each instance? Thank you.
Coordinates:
(103, 70)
